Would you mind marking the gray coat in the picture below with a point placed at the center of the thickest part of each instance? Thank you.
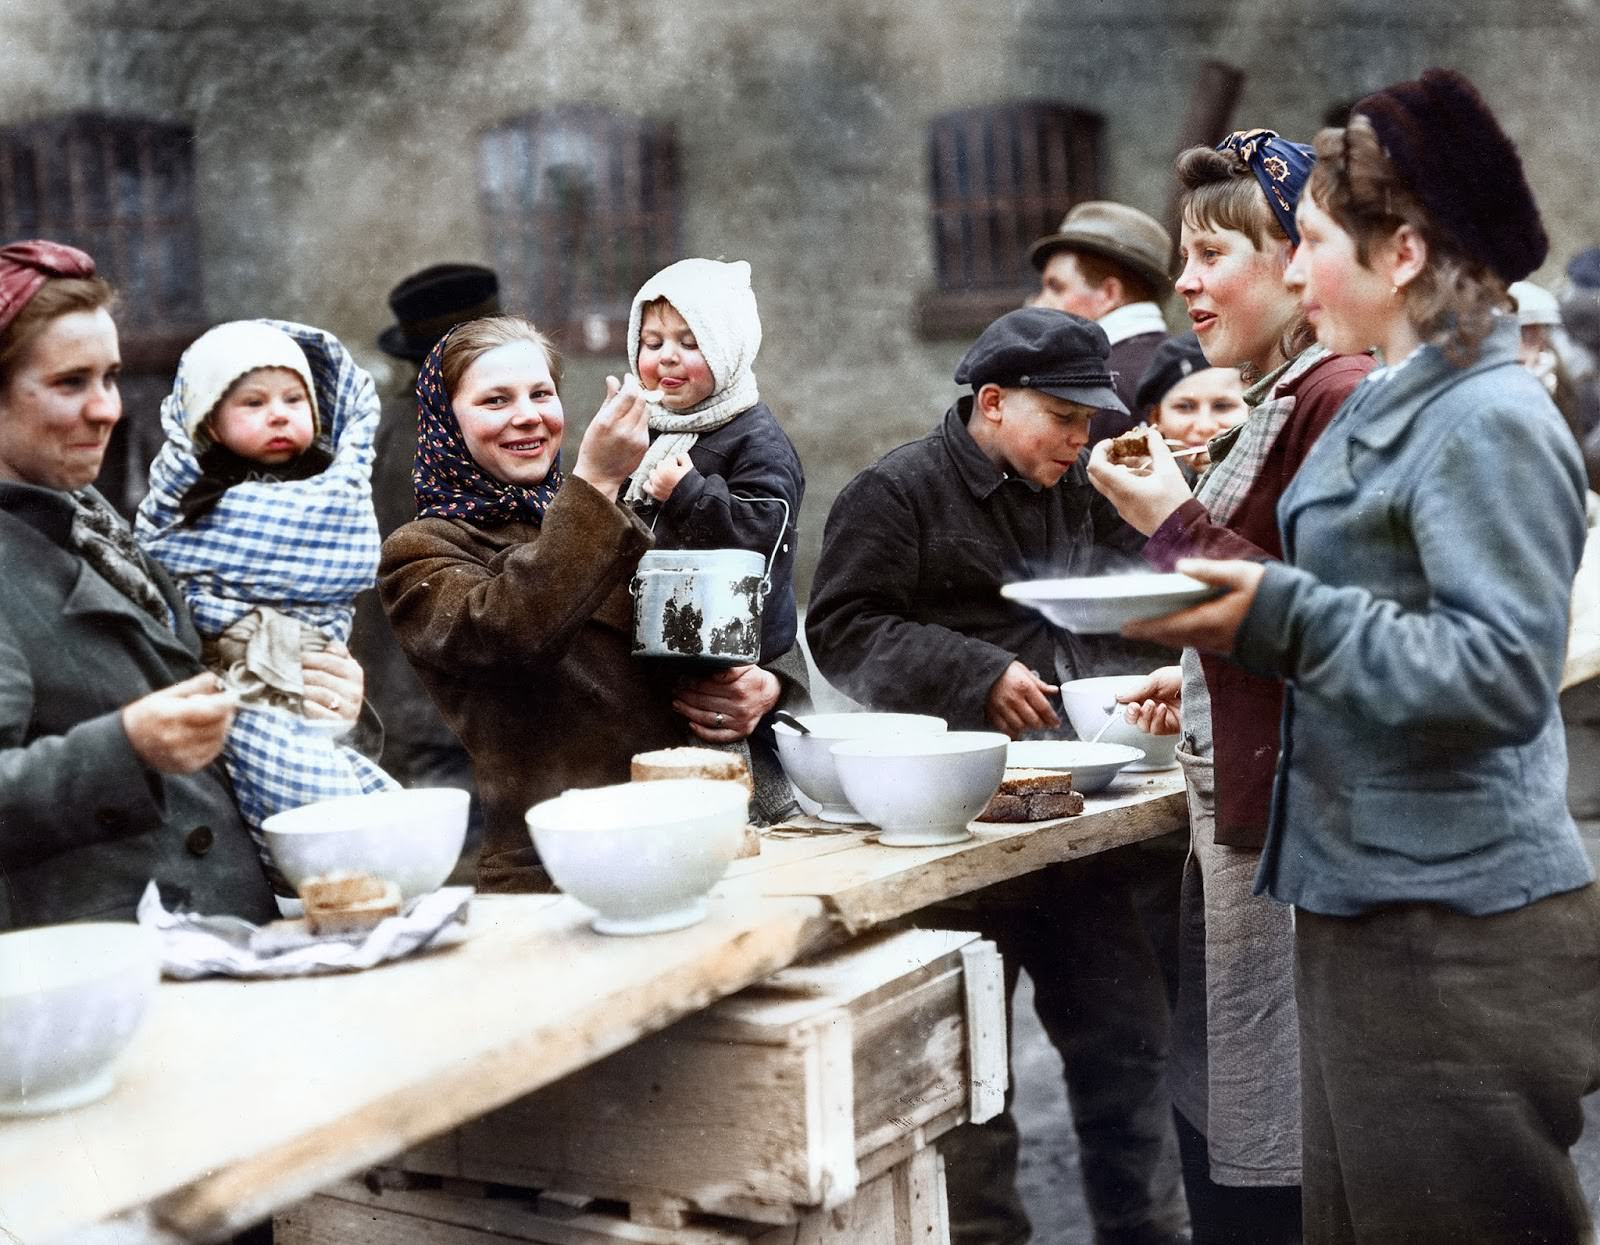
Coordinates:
(83, 824)
(1430, 540)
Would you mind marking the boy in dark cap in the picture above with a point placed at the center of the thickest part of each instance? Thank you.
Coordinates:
(906, 614)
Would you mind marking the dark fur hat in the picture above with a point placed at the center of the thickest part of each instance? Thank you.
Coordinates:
(1449, 149)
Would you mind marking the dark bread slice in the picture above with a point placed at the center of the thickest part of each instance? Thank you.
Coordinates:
(1032, 806)
(1130, 447)
(1021, 781)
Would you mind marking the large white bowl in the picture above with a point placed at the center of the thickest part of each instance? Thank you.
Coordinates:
(411, 838)
(1089, 702)
(808, 761)
(71, 999)
(1091, 765)
(643, 855)
(1103, 604)
(922, 791)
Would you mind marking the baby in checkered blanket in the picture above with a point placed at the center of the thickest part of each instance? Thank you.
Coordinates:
(260, 507)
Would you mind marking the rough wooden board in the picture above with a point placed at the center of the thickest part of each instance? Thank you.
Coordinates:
(988, 1053)
(865, 884)
(241, 1097)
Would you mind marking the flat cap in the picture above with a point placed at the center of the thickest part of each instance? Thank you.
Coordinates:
(1040, 348)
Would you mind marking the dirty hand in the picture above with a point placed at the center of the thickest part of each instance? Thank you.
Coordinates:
(666, 475)
(616, 438)
(1019, 702)
(1144, 497)
(180, 729)
(1212, 626)
(1153, 706)
(727, 705)
(334, 683)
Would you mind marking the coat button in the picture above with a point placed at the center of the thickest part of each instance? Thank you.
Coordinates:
(199, 840)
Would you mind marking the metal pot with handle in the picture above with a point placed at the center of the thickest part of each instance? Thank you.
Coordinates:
(703, 605)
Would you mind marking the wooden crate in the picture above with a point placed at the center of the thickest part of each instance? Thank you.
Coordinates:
(903, 1206)
(787, 1096)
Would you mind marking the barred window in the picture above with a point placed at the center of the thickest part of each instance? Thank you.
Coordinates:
(122, 189)
(998, 178)
(582, 206)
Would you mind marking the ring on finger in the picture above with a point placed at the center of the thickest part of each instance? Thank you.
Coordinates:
(718, 721)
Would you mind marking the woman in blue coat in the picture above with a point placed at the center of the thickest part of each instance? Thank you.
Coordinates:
(1447, 928)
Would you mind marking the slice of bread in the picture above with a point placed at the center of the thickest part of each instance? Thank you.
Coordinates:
(1019, 781)
(1130, 447)
(711, 763)
(1033, 795)
(348, 902)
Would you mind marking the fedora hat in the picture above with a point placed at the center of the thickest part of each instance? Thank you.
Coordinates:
(428, 304)
(1116, 232)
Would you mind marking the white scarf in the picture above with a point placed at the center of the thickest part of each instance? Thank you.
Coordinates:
(717, 303)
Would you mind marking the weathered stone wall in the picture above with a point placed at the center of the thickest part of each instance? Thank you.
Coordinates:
(336, 141)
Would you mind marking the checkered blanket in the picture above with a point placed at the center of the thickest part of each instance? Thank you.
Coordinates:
(304, 547)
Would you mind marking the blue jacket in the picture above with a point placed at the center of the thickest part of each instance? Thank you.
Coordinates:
(1420, 617)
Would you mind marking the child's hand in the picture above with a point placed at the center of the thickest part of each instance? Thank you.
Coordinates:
(666, 475)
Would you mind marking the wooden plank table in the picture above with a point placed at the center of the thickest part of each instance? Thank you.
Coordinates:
(240, 1098)
(863, 884)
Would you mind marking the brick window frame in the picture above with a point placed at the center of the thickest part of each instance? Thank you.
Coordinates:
(581, 206)
(999, 176)
(122, 188)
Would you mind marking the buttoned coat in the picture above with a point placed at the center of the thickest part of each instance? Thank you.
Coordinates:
(84, 824)
(1420, 617)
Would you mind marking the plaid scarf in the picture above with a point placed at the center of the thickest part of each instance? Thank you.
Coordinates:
(1238, 455)
(106, 543)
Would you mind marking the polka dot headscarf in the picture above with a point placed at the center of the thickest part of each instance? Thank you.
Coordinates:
(449, 482)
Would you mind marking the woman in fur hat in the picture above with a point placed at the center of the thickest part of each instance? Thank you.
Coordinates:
(1447, 929)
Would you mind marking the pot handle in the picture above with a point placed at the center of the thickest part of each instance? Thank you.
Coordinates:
(772, 558)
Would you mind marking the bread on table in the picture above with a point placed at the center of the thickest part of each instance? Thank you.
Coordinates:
(348, 902)
(711, 763)
(1033, 795)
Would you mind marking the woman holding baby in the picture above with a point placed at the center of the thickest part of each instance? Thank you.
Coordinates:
(110, 726)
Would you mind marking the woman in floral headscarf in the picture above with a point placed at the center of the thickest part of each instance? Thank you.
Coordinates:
(1236, 1085)
(509, 593)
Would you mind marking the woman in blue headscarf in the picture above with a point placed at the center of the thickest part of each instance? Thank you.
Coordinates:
(1447, 928)
(1234, 1069)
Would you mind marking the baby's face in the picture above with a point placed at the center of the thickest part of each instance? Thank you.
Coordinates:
(265, 416)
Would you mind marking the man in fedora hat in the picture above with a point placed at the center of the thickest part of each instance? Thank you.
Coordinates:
(1108, 263)
(419, 749)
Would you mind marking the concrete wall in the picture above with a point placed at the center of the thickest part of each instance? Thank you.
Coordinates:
(336, 140)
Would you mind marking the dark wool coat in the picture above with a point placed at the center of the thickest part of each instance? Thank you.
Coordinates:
(84, 825)
(750, 456)
(523, 636)
(1246, 708)
(906, 612)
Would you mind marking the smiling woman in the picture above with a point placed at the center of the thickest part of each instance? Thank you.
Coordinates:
(509, 591)
(109, 725)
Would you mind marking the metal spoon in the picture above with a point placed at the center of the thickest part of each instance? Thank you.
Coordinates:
(1106, 726)
(788, 719)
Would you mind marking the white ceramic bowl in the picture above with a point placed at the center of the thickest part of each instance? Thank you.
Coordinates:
(71, 999)
(921, 791)
(1092, 766)
(808, 759)
(1089, 702)
(411, 838)
(643, 855)
(1103, 604)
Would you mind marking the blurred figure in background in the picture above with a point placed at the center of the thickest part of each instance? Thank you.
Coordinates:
(419, 749)
(1108, 263)
(1187, 400)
